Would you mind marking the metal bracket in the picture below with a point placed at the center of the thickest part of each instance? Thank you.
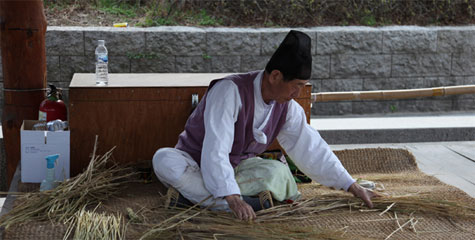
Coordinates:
(194, 100)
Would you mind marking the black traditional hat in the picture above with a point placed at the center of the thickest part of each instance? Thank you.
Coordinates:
(293, 58)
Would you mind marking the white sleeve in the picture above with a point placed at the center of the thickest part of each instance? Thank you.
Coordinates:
(223, 103)
(310, 153)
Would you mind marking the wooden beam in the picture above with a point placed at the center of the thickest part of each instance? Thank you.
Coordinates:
(392, 94)
(22, 40)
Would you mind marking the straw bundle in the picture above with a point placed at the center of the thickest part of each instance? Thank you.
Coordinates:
(409, 204)
(97, 183)
(195, 223)
(427, 206)
(90, 225)
(279, 221)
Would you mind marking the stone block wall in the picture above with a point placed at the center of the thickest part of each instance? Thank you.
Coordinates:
(344, 59)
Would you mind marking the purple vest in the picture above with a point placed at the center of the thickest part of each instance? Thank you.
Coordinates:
(244, 145)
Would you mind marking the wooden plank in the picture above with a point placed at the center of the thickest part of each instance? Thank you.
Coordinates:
(119, 80)
(148, 80)
(136, 128)
(135, 94)
(466, 149)
(436, 158)
(447, 166)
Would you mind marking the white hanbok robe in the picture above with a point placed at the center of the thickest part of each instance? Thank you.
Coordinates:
(303, 144)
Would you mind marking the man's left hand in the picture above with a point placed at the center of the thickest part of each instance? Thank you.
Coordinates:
(362, 193)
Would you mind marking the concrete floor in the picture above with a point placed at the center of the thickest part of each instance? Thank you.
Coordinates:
(390, 121)
(397, 128)
(451, 162)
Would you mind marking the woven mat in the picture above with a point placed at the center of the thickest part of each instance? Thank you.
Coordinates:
(377, 160)
(396, 171)
(370, 224)
(393, 169)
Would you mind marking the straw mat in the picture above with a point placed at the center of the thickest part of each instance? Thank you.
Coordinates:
(377, 160)
(396, 174)
(394, 171)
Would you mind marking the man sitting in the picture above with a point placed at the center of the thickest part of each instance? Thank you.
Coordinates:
(238, 118)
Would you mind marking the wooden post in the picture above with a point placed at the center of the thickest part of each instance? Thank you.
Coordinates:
(22, 40)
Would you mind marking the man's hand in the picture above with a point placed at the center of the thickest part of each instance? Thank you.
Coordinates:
(241, 209)
(363, 193)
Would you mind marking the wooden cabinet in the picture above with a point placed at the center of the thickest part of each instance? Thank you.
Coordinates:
(137, 113)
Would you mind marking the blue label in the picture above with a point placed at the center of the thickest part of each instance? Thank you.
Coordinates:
(102, 58)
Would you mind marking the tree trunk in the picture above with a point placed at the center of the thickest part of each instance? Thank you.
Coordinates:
(22, 35)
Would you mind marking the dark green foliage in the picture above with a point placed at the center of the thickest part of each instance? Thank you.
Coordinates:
(278, 13)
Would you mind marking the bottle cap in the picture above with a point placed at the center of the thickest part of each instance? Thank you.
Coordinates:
(101, 42)
(50, 160)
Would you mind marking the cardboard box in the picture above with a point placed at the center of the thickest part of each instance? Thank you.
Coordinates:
(36, 145)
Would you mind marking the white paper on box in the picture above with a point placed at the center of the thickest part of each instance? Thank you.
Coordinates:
(35, 146)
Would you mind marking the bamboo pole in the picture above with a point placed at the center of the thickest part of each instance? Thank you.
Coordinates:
(392, 94)
(22, 41)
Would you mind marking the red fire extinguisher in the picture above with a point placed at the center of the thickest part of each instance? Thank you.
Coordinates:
(52, 107)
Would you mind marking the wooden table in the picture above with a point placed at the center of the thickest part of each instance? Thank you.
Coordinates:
(137, 113)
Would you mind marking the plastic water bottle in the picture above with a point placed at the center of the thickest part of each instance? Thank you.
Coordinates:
(102, 77)
(55, 125)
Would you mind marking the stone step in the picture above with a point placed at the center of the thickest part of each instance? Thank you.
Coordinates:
(397, 128)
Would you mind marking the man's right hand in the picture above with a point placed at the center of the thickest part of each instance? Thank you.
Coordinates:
(241, 209)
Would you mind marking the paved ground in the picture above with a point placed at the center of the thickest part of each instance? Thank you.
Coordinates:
(390, 128)
(451, 162)
(394, 121)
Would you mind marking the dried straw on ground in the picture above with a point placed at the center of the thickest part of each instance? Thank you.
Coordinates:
(420, 207)
(90, 225)
(280, 222)
(195, 223)
(100, 180)
(412, 201)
